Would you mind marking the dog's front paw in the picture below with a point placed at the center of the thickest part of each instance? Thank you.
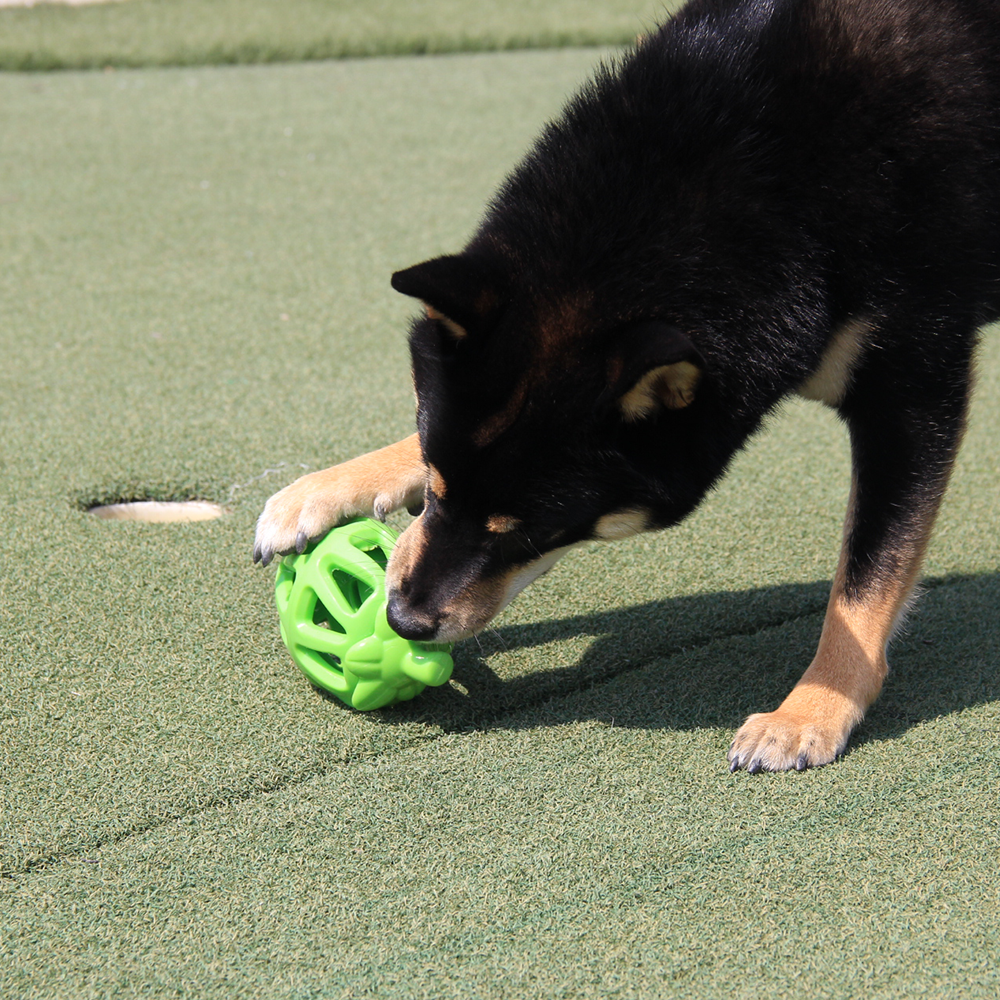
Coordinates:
(305, 510)
(373, 485)
(782, 740)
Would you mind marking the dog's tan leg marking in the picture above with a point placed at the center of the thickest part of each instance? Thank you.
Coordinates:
(812, 725)
(373, 485)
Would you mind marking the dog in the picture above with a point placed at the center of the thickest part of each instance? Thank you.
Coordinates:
(763, 198)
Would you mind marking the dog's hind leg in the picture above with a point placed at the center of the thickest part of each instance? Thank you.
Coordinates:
(373, 485)
(905, 426)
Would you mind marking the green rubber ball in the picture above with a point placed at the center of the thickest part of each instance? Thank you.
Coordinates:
(331, 605)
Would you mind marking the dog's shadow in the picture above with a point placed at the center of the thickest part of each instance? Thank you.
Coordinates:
(708, 661)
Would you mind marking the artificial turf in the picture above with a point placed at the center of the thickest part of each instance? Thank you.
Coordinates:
(193, 270)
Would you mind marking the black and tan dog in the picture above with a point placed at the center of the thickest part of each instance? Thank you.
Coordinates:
(766, 197)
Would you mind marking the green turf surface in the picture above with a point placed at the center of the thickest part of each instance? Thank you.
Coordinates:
(194, 32)
(194, 275)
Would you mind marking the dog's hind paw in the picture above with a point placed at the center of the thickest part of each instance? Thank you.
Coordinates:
(782, 741)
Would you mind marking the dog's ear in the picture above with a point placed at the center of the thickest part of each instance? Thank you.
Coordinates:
(458, 291)
(655, 366)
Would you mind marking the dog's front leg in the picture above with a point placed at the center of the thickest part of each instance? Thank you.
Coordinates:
(373, 485)
(903, 448)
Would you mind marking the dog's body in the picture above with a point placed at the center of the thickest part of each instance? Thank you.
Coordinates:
(766, 197)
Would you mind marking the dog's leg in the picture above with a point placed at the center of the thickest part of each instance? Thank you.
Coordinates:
(373, 485)
(903, 446)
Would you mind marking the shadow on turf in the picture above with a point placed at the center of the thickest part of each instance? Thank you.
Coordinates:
(709, 660)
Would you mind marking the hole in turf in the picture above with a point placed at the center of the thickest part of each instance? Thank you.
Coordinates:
(157, 511)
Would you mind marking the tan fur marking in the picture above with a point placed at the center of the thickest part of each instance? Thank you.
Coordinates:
(560, 322)
(407, 551)
(557, 325)
(671, 386)
(487, 597)
(473, 607)
(501, 524)
(436, 483)
(621, 524)
(458, 332)
(616, 364)
(830, 380)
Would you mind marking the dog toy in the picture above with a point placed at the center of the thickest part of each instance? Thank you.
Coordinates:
(331, 606)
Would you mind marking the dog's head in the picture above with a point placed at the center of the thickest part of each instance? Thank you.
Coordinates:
(545, 420)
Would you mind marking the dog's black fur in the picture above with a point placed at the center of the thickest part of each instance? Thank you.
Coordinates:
(758, 189)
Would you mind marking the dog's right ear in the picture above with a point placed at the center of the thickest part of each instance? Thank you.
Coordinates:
(656, 367)
(457, 291)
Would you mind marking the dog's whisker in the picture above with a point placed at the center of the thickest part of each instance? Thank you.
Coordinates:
(500, 638)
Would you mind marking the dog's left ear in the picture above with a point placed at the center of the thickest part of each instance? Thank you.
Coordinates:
(458, 291)
(655, 366)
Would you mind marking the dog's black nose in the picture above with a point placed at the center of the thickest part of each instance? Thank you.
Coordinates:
(407, 623)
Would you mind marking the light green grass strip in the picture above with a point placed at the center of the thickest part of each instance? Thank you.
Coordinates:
(194, 32)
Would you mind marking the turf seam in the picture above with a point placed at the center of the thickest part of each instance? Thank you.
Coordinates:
(485, 721)
(75, 854)
(71, 855)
